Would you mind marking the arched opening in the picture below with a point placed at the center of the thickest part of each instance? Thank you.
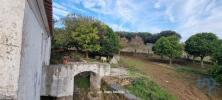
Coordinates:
(86, 86)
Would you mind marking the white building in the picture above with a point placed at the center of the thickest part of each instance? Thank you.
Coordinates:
(25, 42)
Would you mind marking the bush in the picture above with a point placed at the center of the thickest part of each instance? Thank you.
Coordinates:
(76, 56)
(148, 90)
(216, 73)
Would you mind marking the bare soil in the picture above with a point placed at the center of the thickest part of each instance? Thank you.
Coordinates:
(182, 85)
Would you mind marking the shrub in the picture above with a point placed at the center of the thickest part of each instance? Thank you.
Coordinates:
(216, 73)
(148, 90)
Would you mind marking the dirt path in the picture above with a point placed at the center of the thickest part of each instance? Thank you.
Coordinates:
(181, 85)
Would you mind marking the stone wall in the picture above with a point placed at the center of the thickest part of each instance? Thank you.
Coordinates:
(58, 80)
(11, 23)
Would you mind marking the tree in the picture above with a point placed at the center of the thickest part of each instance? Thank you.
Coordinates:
(168, 46)
(216, 70)
(200, 45)
(82, 33)
(166, 33)
(130, 35)
(59, 39)
(110, 43)
(87, 38)
(136, 43)
(123, 42)
(217, 52)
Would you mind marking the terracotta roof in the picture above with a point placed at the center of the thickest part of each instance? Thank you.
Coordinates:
(48, 9)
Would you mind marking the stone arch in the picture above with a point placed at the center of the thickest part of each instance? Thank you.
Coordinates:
(57, 80)
(93, 79)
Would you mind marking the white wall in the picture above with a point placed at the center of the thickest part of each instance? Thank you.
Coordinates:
(11, 23)
(36, 44)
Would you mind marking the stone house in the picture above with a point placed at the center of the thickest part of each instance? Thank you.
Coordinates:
(25, 43)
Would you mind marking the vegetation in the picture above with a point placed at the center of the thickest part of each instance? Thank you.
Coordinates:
(110, 44)
(143, 86)
(91, 36)
(130, 35)
(166, 33)
(148, 37)
(123, 42)
(87, 35)
(148, 90)
(82, 82)
(200, 45)
(136, 43)
(216, 71)
(217, 52)
(190, 70)
(168, 46)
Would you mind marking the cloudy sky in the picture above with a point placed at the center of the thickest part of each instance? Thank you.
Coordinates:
(187, 17)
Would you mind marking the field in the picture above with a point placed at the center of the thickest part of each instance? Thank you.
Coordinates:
(180, 79)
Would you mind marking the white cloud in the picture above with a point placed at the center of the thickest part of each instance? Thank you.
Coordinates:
(185, 16)
(117, 27)
(59, 10)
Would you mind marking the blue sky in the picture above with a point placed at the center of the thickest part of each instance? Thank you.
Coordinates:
(187, 17)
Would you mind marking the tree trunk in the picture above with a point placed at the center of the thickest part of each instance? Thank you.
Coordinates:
(148, 52)
(134, 52)
(108, 58)
(170, 61)
(193, 59)
(201, 62)
(87, 55)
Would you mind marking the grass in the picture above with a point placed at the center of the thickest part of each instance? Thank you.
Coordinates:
(148, 90)
(188, 69)
(143, 86)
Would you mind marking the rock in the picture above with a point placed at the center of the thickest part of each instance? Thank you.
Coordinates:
(115, 59)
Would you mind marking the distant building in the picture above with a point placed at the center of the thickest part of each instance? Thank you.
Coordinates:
(25, 42)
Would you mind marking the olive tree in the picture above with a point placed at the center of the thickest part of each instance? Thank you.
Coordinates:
(109, 43)
(200, 45)
(169, 47)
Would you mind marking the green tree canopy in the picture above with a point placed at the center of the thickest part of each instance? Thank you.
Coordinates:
(200, 45)
(86, 34)
(217, 52)
(216, 70)
(59, 39)
(148, 37)
(169, 47)
(166, 33)
(110, 43)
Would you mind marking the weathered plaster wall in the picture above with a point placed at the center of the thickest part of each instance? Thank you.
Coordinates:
(11, 23)
(58, 80)
(35, 54)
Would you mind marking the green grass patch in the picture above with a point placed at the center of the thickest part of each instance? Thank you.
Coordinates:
(148, 90)
(128, 62)
(190, 70)
(143, 87)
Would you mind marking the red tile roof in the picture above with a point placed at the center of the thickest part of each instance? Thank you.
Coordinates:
(48, 9)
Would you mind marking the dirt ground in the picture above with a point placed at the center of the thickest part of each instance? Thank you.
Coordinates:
(182, 85)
